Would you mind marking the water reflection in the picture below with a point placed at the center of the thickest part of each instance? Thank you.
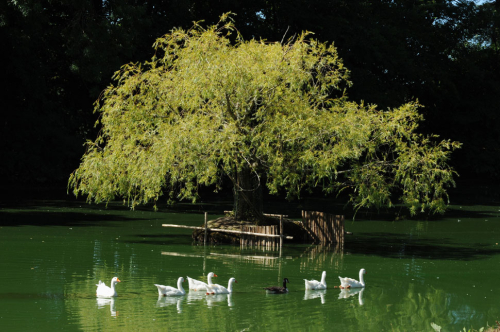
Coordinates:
(193, 296)
(321, 255)
(103, 302)
(165, 301)
(269, 260)
(314, 294)
(213, 300)
(346, 293)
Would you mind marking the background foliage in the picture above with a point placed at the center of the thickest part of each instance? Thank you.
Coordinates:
(58, 56)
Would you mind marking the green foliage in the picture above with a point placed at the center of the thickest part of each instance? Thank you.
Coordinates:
(210, 104)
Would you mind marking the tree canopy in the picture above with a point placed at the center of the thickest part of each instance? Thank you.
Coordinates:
(212, 106)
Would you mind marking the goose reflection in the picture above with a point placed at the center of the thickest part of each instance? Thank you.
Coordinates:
(212, 300)
(196, 296)
(348, 292)
(314, 294)
(103, 302)
(165, 301)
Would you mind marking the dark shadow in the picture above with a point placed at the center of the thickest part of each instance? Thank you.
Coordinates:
(42, 218)
(463, 213)
(161, 239)
(184, 208)
(399, 246)
(69, 204)
(475, 191)
(452, 212)
(78, 213)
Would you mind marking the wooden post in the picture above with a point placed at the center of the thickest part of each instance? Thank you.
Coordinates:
(281, 231)
(206, 226)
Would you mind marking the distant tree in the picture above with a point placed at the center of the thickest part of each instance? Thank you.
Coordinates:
(205, 108)
(490, 15)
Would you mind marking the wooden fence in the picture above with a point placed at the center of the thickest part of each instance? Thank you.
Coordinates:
(323, 227)
(261, 241)
(267, 236)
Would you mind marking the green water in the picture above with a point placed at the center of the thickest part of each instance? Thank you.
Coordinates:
(52, 254)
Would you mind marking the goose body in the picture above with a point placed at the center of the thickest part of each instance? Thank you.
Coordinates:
(353, 283)
(218, 289)
(197, 285)
(171, 291)
(276, 289)
(105, 291)
(315, 284)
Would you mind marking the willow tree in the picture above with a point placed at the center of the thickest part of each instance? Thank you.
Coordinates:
(211, 106)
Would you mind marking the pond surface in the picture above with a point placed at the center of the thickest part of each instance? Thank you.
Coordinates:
(419, 273)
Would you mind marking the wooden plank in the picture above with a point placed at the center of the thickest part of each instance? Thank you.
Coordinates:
(265, 214)
(281, 231)
(226, 231)
(275, 215)
(182, 226)
(206, 226)
(342, 228)
(276, 232)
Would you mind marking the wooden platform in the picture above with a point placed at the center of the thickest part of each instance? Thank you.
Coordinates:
(318, 227)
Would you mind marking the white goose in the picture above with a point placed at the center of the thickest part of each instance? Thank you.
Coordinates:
(352, 283)
(218, 289)
(171, 291)
(315, 284)
(105, 291)
(197, 285)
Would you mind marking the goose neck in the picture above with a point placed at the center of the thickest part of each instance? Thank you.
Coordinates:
(230, 285)
(361, 277)
(179, 284)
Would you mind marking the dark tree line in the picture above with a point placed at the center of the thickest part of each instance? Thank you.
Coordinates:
(58, 56)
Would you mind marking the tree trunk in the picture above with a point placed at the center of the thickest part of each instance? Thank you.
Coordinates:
(248, 196)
